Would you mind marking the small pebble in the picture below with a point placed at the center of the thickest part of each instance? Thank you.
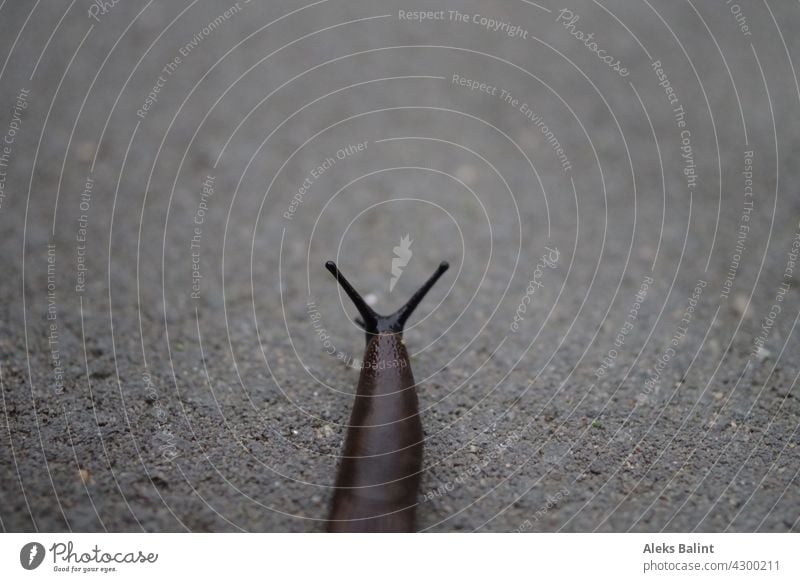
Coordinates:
(467, 174)
(740, 303)
(763, 353)
(84, 476)
(86, 151)
(646, 252)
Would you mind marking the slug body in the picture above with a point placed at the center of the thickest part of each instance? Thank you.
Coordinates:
(379, 475)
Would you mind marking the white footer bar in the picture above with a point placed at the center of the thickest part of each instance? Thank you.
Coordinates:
(385, 558)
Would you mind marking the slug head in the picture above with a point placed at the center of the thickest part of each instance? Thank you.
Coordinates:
(374, 323)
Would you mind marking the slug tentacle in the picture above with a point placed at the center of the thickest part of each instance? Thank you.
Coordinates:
(368, 317)
(402, 314)
(381, 468)
(374, 323)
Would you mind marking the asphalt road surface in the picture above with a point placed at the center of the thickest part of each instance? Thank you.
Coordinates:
(615, 185)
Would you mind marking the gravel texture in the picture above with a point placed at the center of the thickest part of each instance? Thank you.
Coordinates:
(201, 379)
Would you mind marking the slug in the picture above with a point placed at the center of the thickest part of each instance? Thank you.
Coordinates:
(379, 475)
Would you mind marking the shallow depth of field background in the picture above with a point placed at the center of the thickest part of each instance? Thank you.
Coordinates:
(614, 347)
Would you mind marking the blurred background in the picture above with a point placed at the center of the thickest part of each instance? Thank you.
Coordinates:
(613, 183)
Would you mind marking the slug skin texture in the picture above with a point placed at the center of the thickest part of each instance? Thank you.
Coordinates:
(379, 475)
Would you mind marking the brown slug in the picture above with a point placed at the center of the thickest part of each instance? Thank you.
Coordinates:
(379, 475)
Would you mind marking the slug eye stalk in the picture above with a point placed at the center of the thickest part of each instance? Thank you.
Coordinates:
(374, 323)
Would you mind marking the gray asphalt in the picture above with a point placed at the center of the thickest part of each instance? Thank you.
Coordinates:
(179, 359)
